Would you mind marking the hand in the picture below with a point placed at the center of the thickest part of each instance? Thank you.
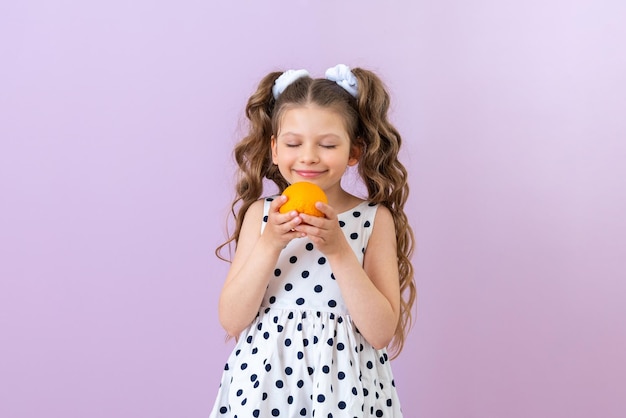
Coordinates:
(325, 233)
(281, 228)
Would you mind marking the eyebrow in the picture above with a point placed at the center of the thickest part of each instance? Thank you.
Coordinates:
(322, 136)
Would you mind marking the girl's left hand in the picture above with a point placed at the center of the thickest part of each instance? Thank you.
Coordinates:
(324, 232)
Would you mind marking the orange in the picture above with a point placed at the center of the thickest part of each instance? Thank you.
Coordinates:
(302, 197)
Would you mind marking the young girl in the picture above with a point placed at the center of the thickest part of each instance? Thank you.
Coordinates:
(314, 301)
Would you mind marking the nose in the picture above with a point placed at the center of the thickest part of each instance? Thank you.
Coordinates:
(308, 154)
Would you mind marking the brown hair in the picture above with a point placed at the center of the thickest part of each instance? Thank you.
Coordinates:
(366, 122)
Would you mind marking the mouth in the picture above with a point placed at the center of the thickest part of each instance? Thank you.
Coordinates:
(309, 174)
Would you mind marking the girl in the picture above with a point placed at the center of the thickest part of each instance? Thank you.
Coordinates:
(314, 301)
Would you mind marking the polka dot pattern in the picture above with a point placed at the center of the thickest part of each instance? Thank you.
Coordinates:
(302, 356)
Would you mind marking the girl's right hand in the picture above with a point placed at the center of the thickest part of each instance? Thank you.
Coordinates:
(280, 227)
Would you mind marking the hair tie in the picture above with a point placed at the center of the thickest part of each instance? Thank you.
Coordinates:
(285, 79)
(342, 75)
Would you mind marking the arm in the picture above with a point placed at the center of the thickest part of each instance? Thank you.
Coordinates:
(372, 291)
(253, 263)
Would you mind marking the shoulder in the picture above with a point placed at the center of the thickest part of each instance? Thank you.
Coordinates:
(254, 215)
(255, 208)
(383, 221)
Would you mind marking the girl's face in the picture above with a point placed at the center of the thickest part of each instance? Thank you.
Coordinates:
(312, 145)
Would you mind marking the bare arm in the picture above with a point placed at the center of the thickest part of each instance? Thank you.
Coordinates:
(372, 291)
(253, 263)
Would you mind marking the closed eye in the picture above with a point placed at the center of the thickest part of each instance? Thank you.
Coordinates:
(329, 146)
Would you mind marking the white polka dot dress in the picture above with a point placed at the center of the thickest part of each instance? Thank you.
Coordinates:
(302, 356)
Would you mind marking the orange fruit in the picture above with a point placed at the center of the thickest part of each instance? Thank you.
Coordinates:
(302, 197)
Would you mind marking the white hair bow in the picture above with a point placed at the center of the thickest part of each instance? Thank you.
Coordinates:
(342, 75)
(285, 79)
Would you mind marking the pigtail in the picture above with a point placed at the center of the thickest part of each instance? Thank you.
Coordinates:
(386, 180)
(253, 156)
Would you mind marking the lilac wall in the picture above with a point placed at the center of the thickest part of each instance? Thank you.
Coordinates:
(116, 124)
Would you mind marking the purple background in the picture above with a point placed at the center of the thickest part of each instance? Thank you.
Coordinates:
(117, 121)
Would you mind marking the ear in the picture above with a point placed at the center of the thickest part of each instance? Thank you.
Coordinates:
(274, 151)
(356, 151)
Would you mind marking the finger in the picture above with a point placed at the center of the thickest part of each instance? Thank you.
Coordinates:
(316, 221)
(326, 209)
(293, 223)
(308, 229)
(277, 203)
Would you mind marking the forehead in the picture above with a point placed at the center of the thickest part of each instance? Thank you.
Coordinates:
(312, 120)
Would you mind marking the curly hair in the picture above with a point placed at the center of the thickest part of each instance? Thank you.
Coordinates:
(385, 177)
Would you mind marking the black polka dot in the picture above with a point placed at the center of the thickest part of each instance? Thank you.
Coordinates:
(265, 218)
(277, 272)
(341, 375)
(367, 224)
(379, 413)
(223, 410)
(340, 346)
(279, 384)
(321, 261)
(342, 405)
(342, 224)
(272, 299)
(288, 342)
(309, 246)
(356, 213)
(354, 235)
(369, 365)
(321, 398)
(317, 288)
(275, 412)
(300, 301)
(288, 371)
(303, 412)
(332, 303)
(293, 259)
(288, 287)
(305, 274)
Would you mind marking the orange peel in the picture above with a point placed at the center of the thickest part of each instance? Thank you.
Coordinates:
(301, 197)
